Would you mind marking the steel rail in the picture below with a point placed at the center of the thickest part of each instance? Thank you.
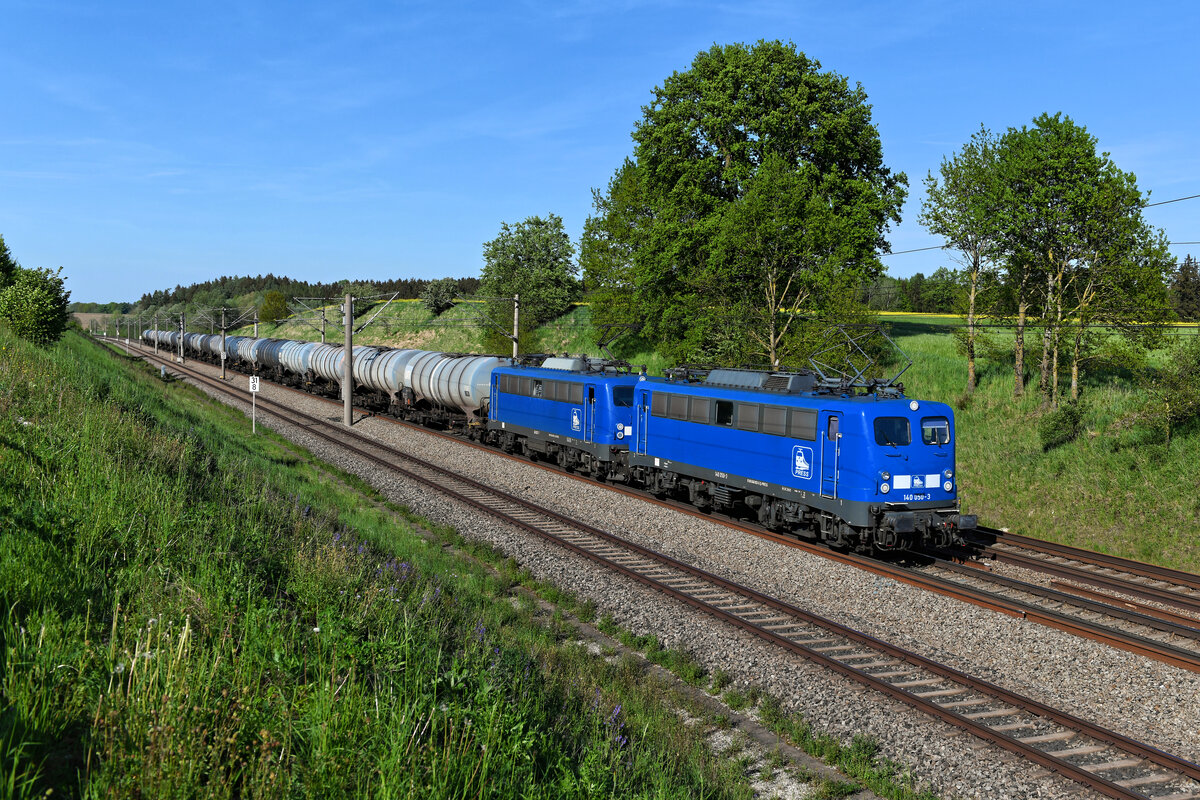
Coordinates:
(1127, 565)
(1175, 626)
(1181, 600)
(1080, 773)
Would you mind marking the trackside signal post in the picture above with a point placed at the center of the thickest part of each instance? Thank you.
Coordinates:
(253, 403)
(348, 363)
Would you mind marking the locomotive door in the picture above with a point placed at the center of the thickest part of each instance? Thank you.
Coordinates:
(589, 415)
(831, 451)
(643, 419)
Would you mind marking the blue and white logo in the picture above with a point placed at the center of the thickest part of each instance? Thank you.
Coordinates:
(918, 482)
(802, 458)
(576, 419)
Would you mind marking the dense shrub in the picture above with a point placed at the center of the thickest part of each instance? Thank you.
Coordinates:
(438, 296)
(1060, 426)
(35, 305)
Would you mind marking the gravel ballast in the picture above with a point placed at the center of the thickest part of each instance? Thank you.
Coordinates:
(1141, 698)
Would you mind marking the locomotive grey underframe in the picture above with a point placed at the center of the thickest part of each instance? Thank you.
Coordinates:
(600, 451)
(858, 513)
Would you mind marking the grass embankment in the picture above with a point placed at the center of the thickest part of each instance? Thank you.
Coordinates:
(188, 611)
(1114, 489)
(191, 611)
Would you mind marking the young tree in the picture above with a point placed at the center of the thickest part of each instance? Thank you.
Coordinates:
(959, 209)
(532, 259)
(438, 296)
(35, 304)
(1065, 211)
(274, 307)
(748, 136)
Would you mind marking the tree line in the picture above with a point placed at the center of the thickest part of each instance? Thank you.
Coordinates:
(223, 289)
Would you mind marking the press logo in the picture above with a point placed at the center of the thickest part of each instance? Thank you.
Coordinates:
(802, 462)
(576, 419)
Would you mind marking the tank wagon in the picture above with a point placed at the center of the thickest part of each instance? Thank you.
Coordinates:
(856, 465)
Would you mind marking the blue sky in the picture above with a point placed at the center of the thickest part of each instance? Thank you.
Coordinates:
(144, 145)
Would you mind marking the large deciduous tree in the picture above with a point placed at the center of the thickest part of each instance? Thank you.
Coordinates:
(533, 259)
(958, 206)
(756, 188)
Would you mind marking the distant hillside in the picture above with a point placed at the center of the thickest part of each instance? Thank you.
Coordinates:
(216, 291)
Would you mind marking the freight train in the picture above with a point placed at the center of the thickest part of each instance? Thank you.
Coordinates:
(857, 466)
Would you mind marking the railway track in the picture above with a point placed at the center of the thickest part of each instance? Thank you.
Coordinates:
(1134, 578)
(1144, 630)
(1104, 760)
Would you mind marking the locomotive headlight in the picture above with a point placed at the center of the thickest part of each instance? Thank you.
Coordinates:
(620, 432)
(947, 486)
(885, 475)
(914, 405)
(949, 474)
(620, 427)
(884, 488)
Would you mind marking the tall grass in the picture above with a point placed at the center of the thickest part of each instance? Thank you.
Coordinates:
(189, 611)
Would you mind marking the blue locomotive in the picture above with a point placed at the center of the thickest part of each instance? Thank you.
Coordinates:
(871, 470)
(852, 463)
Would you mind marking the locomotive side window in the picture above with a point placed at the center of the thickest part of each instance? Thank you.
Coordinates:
(523, 385)
(892, 431)
(935, 430)
(622, 395)
(678, 406)
(724, 412)
(700, 410)
(537, 389)
(576, 394)
(658, 404)
(774, 420)
(803, 424)
(747, 416)
(558, 391)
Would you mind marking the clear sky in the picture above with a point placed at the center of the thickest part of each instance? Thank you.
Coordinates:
(151, 144)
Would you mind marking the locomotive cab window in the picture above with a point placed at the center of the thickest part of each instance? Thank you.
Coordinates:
(623, 396)
(892, 431)
(935, 430)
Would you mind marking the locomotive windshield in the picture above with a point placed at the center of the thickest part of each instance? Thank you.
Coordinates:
(935, 430)
(623, 396)
(892, 431)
